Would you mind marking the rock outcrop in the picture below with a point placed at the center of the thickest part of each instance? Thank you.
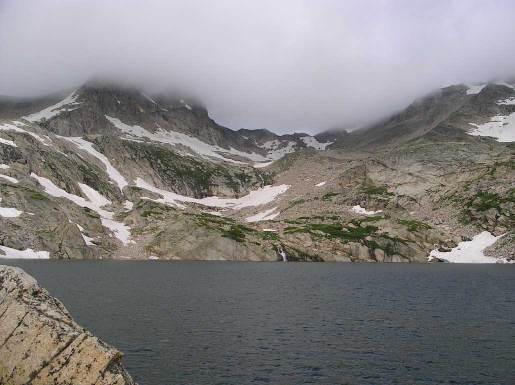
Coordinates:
(41, 344)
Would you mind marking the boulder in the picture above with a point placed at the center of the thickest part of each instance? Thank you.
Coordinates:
(40, 344)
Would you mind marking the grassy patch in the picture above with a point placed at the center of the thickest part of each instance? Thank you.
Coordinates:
(413, 225)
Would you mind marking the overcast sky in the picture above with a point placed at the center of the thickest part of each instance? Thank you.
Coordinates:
(282, 64)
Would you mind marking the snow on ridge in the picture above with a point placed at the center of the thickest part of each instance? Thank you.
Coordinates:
(10, 253)
(311, 141)
(501, 127)
(257, 197)
(266, 215)
(475, 89)
(177, 138)
(94, 202)
(8, 142)
(469, 251)
(113, 173)
(361, 210)
(56, 109)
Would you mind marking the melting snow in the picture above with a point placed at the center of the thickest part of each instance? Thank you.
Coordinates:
(360, 210)
(111, 171)
(266, 215)
(469, 251)
(500, 127)
(320, 184)
(23, 254)
(257, 197)
(176, 138)
(95, 202)
(475, 89)
(4, 166)
(9, 178)
(56, 109)
(311, 141)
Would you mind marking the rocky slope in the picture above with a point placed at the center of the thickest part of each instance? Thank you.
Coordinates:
(41, 344)
(111, 172)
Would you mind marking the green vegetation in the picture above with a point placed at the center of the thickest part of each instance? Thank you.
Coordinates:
(376, 190)
(413, 225)
(236, 232)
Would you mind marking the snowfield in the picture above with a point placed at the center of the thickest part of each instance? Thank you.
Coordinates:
(257, 197)
(67, 104)
(501, 127)
(94, 202)
(113, 173)
(10, 253)
(177, 138)
(469, 251)
(14, 128)
(311, 141)
(475, 89)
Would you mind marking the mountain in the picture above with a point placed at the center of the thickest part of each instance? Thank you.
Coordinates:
(107, 171)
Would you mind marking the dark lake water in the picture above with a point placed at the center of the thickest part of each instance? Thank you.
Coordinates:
(285, 323)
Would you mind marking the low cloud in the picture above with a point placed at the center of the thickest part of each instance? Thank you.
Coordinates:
(286, 65)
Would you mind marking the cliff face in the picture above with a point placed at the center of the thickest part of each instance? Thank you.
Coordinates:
(41, 344)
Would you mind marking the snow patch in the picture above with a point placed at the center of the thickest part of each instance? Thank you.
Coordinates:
(94, 202)
(9, 178)
(9, 212)
(311, 141)
(14, 128)
(506, 102)
(262, 165)
(361, 210)
(266, 215)
(58, 108)
(501, 127)
(320, 184)
(174, 138)
(469, 251)
(113, 173)
(257, 197)
(8, 142)
(277, 149)
(23, 254)
(475, 89)
(4, 166)
(128, 205)
(87, 240)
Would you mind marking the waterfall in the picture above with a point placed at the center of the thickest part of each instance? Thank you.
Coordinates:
(282, 253)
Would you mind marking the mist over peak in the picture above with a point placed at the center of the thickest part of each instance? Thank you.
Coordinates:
(290, 65)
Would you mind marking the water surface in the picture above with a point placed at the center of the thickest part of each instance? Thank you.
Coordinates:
(286, 323)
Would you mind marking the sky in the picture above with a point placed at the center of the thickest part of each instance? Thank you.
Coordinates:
(285, 65)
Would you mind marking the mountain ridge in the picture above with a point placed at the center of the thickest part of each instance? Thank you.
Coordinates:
(110, 172)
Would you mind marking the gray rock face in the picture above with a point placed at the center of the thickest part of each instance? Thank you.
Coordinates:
(392, 192)
(40, 344)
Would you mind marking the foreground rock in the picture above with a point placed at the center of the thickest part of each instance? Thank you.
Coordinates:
(41, 344)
